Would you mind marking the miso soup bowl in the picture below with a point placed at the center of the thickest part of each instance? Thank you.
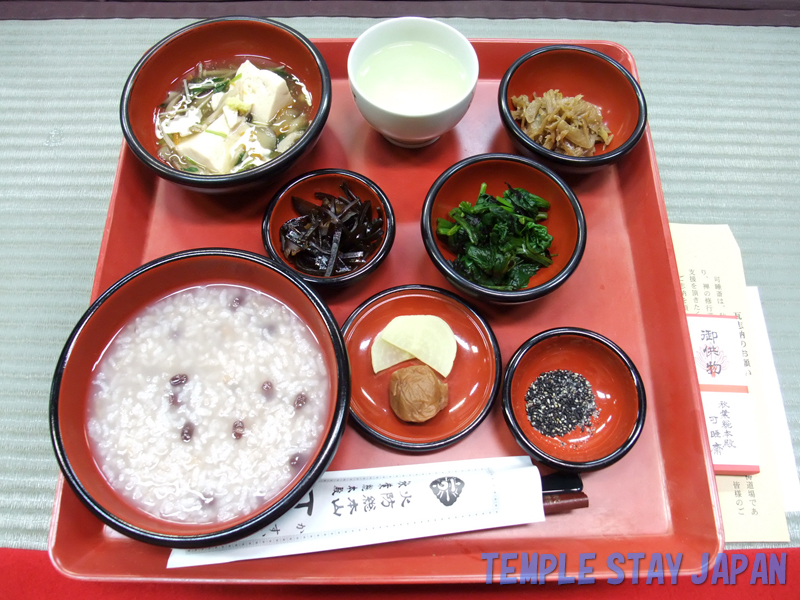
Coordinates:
(407, 123)
(576, 70)
(228, 40)
(117, 306)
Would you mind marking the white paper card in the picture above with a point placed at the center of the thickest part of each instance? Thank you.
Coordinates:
(729, 420)
(372, 506)
(717, 350)
(712, 283)
(768, 389)
(727, 404)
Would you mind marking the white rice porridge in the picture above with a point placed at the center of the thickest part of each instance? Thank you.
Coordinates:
(207, 403)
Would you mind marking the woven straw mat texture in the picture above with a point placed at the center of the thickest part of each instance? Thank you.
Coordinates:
(719, 100)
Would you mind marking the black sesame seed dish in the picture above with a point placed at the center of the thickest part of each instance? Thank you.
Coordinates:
(559, 401)
(573, 399)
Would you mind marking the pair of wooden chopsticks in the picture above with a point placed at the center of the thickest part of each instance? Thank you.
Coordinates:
(563, 492)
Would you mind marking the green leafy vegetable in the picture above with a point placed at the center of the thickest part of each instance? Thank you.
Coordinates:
(499, 241)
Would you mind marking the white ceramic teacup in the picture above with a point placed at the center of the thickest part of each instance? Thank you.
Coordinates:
(412, 78)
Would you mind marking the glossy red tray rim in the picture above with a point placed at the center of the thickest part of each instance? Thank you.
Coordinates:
(340, 46)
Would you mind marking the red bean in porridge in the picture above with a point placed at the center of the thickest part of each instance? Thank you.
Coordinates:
(194, 414)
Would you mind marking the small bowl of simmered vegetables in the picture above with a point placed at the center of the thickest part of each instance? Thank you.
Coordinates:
(331, 227)
(503, 228)
(574, 108)
(226, 104)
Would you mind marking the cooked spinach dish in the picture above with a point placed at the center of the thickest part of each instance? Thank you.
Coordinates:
(499, 241)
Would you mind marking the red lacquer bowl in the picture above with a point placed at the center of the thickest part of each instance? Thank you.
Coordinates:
(462, 183)
(221, 41)
(575, 70)
(472, 384)
(328, 181)
(618, 390)
(70, 391)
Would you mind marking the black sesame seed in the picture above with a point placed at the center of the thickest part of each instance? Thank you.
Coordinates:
(268, 389)
(559, 401)
(238, 430)
(300, 400)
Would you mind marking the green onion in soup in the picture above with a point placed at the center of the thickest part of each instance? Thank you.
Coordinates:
(226, 120)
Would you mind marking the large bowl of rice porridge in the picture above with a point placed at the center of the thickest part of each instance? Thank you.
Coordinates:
(199, 398)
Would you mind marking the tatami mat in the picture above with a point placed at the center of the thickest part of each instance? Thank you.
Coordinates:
(722, 103)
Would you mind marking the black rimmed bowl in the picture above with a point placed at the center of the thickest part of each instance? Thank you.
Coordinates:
(363, 215)
(473, 382)
(74, 379)
(575, 70)
(617, 388)
(223, 41)
(462, 183)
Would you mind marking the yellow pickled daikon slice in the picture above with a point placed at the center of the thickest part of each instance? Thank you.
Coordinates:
(385, 355)
(426, 337)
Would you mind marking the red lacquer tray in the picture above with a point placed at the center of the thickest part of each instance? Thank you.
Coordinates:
(660, 498)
